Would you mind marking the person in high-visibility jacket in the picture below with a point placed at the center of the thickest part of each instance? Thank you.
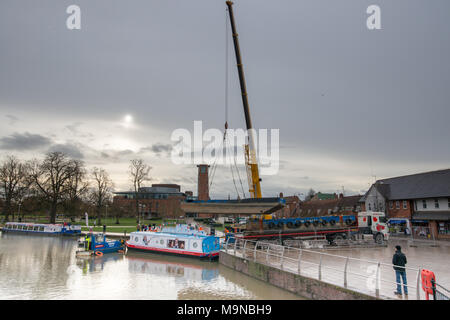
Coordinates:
(88, 242)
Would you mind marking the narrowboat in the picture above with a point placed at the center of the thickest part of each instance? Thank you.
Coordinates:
(36, 228)
(98, 244)
(181, 240)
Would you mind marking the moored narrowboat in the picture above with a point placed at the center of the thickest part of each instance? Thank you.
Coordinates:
(180, 240)
(98, 244)
(38, 228)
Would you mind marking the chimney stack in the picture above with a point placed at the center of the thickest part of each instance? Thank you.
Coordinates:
(203, 182)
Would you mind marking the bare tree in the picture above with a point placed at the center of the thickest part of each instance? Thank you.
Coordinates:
(139, 173)
(311, 193)
(77, 188)
(51, 178)
(14, 183)
(101, 193)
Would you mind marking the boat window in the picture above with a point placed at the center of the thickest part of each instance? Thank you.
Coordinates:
(41, 228)
(161, 242)
(195, 245)
(36, 228)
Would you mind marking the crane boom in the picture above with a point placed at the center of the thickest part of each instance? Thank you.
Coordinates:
(250, 150)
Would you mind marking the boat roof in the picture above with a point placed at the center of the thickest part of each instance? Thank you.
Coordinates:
(171, 234)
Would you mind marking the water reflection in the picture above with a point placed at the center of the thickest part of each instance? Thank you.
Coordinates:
(187, 268)
(44, 267)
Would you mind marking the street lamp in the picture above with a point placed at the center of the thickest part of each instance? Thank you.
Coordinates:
(18, 213)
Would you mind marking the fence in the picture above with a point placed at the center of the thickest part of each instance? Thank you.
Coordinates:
(369, 277)
(439, 292)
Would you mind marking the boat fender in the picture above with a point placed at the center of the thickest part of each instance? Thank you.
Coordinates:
(98, 253)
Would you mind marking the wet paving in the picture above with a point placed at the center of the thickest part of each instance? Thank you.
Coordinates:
(362, 270)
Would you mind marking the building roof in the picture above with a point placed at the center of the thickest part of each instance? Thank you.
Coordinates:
(325, 196)
(329, 207)
(433, 184)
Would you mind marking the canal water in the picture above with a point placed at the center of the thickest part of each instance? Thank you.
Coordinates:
(44, 267)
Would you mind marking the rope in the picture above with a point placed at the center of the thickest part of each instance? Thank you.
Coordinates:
(225, 141)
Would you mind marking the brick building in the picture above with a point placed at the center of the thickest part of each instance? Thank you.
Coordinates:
(159, 200)
(423, 199)
(338, 205)
(291, 209)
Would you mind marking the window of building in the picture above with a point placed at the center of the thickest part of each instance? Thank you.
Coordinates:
(391, 204)
(370, 207)
(415, 205)
(449, 202)
(397, 204)
(405, 204)
(444, 227)
(436, 203)
(424, 204)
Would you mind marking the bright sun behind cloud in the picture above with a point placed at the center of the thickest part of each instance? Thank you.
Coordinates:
(128, 118)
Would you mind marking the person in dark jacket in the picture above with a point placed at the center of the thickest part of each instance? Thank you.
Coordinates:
(399, 261)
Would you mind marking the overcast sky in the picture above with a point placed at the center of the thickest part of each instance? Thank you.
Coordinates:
(350, 103)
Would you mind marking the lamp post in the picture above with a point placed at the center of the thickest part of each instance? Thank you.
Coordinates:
(18, 213)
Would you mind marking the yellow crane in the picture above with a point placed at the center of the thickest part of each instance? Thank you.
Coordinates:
(254, 181)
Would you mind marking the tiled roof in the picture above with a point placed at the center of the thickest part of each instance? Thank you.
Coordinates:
(432, 184)
(328, 207)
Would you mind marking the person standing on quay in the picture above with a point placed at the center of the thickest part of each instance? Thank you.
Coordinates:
(399, 261)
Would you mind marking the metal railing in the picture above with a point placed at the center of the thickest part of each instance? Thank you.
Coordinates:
(373, 278)
(439, 292)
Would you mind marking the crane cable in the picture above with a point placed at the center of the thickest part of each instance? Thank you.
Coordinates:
(214, 168)
(225, 141)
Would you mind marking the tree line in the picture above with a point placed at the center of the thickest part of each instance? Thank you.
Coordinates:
(60, 184)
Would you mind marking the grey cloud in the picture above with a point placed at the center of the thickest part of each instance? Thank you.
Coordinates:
(12, 119)
(157, 148)
(69, 149)
(24, 141)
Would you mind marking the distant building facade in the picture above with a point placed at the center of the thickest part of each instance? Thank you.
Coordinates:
(159, 200)
(338, 205)
(291, 208)
(422, 198)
